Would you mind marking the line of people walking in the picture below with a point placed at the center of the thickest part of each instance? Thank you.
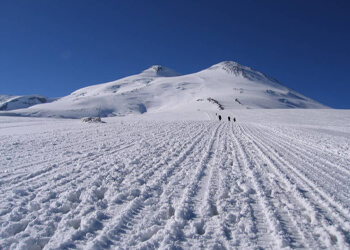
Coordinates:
(229, 118)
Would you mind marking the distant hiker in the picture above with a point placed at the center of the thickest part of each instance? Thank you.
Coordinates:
(234, 119)
(216, 113)
(219, 117)
(229, 118)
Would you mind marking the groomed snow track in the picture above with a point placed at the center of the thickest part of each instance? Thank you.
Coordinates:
(173, 185)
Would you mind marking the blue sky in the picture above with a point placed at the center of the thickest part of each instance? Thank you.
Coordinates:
(54, 47)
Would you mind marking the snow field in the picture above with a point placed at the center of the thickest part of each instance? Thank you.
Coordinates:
(152, 183)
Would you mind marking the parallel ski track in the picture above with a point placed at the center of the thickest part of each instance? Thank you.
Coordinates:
(319, 169)
(78, 176)
(300, 161)
(322, 155)
(317, 202)
(185, 209)
(284, 204)
(93, 145)
(215, 185)
(124, 226)
(318, 144)
(266, 225)
(95, 140)
(169, 196)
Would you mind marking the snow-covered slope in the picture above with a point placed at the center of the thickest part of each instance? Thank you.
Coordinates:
(227, 85)
(9, 102)
(275, 179)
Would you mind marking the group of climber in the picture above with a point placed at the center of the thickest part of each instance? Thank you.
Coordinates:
(229, 118)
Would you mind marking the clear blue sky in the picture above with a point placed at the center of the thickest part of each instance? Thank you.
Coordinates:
(54, 47)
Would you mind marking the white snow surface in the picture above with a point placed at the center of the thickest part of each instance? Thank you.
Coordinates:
(10, 102)
(274, 179)
(227, 85)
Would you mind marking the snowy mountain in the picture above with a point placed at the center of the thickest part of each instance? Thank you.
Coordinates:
(276, 177)
(227, 85)
(9, 102)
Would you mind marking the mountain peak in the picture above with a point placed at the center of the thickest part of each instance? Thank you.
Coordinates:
(230, 67)
(158, 70)
(237, 69)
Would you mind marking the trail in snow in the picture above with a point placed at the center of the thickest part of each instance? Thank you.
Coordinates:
(160, 184)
